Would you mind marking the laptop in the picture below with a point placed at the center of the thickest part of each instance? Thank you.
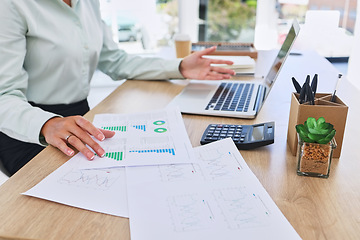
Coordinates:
(234, 98)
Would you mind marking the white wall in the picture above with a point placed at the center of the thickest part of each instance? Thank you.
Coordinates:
(189, 18)
(354, 60)
(266, 25)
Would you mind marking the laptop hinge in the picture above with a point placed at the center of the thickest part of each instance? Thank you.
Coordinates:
(259, 98)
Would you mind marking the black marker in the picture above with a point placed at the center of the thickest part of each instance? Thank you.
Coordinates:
(296, 85)
(314, 84)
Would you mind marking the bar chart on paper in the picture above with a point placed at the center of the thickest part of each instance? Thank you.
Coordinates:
(151, 138)
(141, 127)
(159, 151)
(118, 156)
(115, 128)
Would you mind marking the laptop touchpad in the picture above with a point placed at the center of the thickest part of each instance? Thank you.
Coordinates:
(196, 93)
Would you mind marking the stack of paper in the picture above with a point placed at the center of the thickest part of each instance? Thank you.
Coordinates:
(207, 193)
(243, 65)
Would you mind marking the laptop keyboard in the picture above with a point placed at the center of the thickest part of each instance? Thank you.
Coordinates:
(231, 97)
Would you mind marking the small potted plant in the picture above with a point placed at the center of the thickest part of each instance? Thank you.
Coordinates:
(315, 148)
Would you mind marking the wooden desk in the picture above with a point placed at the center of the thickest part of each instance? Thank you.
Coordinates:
(316, 208)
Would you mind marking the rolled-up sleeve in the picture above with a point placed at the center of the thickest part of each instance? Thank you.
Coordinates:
(18, 119)
(119, 65)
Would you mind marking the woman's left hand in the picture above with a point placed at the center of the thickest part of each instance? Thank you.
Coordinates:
(195, 66)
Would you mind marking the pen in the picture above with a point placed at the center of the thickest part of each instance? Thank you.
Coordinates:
(314, 84)
(302, 94)
(296, 85)
(310, 94)
(333, 97)
(307, 82)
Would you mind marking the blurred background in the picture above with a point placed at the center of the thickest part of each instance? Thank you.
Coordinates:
(143, 26)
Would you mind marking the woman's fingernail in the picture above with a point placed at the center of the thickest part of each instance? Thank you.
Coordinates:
(70, 152)
(90, 155)
(101, 152)
(101, 137)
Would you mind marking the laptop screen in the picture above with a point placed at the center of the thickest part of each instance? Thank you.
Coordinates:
(283, 53)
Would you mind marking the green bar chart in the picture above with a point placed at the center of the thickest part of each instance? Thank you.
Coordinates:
(118, 156)
(115, 128)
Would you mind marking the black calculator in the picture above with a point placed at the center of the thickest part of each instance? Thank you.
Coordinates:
(244, 136)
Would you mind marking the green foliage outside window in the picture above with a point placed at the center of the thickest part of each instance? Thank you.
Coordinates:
(229, 20)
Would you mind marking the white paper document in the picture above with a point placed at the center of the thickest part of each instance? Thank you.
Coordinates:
(217, 198)
(152, 138)
(239, 61)
(99, 190)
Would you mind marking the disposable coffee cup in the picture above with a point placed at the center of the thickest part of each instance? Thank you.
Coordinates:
(182, 45)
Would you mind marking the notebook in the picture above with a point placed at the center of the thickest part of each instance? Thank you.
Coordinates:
(243, 65)
(234, 98)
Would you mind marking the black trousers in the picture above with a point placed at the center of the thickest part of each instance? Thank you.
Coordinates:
(14, 154)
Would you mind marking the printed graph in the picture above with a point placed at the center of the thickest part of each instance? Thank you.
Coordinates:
(115, 128)
(92, 178)
(180, 172)
(141, 127)
(118, 156)
(159, 122)
(170, 151)
(240, 208)
(160, 126)
(219, 164)
(190, 213)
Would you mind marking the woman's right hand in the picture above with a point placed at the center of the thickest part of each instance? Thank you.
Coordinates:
(75, 131)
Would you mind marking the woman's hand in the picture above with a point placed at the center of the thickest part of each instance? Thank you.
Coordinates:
(195, 66)
(75, 131)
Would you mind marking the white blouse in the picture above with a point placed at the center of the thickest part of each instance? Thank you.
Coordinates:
(48, 54)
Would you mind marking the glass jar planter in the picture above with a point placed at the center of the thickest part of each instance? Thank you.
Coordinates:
(314, 159)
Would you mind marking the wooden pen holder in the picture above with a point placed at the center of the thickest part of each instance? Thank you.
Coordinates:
(333, 112)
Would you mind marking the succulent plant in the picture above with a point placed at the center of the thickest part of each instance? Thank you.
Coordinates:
(316, 131)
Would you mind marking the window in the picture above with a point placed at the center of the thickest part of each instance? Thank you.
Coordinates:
(327, 25)
(229, 21)
(141, 25)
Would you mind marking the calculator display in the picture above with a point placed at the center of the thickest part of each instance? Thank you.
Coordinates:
(257, 133)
